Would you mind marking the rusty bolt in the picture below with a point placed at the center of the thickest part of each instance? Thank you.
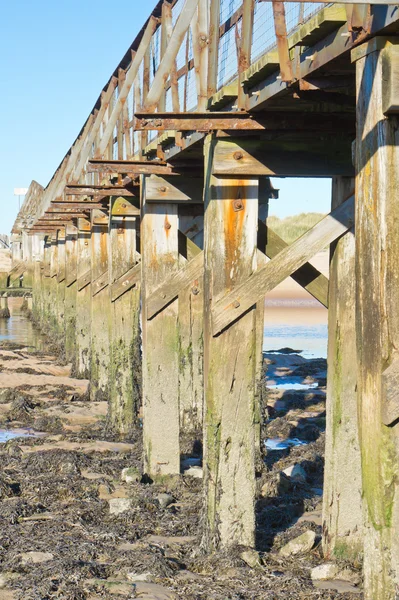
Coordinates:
(238, 205)
(168, 225)
(203, 37)
(236, 304)
(195, 290)
(162, 189)
(123, 205)
(238, 155)
(120, 230)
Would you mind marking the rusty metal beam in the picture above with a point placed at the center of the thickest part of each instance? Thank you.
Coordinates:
(129, 167)
(206, 121)
(280, 28)
(99, 190)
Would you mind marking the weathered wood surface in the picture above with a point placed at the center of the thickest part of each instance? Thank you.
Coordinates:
(125, 282)
(100, 308)
(245, 295)
(83, 299)
(229, 363)
(307, 276)
(175, 189)
(100, 191)
(159, 260)
(342, 503)
(125, 338)
(71, 255)
(390, 395)
(377, 326)
(128, 167)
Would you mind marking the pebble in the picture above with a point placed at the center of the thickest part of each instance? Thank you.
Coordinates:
(326, 571)
(133, 577)
(165, 500)
(300, 545)
(251, 558)
(117, 506)
(195, 472)
(296, 473)
(36, 557)
(130, 475)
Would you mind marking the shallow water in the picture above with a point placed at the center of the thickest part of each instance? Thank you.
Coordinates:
(18, 328)
(296, 327)
(10, 434)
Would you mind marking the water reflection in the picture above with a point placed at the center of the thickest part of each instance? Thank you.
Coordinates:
(18, 328)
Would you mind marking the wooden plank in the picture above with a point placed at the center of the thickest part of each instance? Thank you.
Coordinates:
(131, 168)
(83, 300)
(200, 44)
(213, 51)
(307, 276)
(175, 189)
(166, 64)
(236, 121)
(125, 282)
(169, 290)
(244, 52)
(241, 299)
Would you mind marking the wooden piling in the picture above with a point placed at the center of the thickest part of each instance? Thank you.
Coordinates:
(125, 364)
(342, 503)
(159, 260)
(71, 251)
(100, 307)
(230, 240)
(83, 299)
(60, 290)
(377, 326)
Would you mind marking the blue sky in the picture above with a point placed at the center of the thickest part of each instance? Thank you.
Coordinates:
(55, 59)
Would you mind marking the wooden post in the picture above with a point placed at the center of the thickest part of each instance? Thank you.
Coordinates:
(377, 323)
(60, 284)
(159, 260)
(230, 240)
(342, 503)
(37, 284)
(83, 299)
(100, 307)
(125, 369)
(46, 284)
(53, 304)
(71, 251)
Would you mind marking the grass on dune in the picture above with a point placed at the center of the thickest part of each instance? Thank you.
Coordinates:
(291, 228)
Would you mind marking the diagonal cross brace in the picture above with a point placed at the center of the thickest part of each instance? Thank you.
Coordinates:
(242, 298)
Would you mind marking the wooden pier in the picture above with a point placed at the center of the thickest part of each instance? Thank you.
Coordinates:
(149, 251)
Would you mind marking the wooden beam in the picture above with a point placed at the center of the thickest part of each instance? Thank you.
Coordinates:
(241, 299)
(307, 276)
(166, 64)
(280, 28)
(125, 282)
(213, 41)
(170, 289)
(244, 51)
(200, 29)
(131, 168)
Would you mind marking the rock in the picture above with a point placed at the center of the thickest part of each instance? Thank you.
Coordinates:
(300, 545)
(323, 572)
(349, 576)
(296, 473)
(36, 557)
(195, 472)
(130, 475)
(117, 506)
(251, 558)
(278, 485)
(133, 577)
(165, 500)
(153, 591)
(5, 578)
(337, 585)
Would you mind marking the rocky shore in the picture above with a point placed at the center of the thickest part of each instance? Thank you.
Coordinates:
(80, 521)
